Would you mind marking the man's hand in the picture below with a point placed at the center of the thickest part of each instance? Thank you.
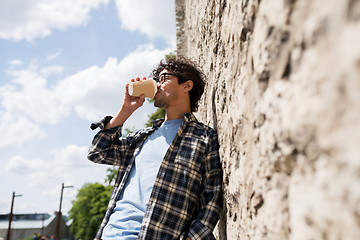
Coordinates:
(129, 105)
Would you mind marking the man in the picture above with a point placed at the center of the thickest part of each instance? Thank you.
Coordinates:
(169, 184)
(35, 237)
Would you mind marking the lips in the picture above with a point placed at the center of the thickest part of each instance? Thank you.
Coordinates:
(158, 91)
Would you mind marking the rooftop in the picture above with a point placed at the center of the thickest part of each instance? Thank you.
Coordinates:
(27, 221)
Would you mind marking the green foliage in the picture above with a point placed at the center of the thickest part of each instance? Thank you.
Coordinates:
(128, 131)
(160, 113)
(88, 209)
(170, 55)
(90, 206)
(111, 175)
(27, 238)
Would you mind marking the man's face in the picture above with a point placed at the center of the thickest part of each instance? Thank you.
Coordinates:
(168, 90)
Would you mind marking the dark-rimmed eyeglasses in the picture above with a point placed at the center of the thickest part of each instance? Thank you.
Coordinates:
(163, 77)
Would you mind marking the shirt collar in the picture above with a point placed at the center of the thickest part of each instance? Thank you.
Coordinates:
(188, 117)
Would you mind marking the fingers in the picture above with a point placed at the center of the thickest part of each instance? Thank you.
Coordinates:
(127, 88)
(142, 98)
(138, 79)
(138, 102)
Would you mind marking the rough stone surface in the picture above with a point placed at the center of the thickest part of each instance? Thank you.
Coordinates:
(283, 91)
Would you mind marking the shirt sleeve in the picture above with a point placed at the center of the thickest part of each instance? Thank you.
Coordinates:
(106, 147)
(211, 197)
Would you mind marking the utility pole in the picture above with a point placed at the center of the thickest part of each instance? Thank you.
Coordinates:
(11, 214)
(59, 213)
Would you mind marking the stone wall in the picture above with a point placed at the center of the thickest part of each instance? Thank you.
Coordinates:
(283, 91)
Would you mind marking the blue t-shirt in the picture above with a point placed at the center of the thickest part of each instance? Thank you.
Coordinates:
(125, 221)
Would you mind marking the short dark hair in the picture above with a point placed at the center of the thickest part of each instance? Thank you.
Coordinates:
(185, 70)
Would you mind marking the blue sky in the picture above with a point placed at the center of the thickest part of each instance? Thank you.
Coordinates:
(63, 65)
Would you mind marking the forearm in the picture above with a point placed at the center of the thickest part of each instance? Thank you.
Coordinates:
(119, 119)
(128, 107)
(106, 147)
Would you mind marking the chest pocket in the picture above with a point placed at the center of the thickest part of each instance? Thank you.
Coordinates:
(188, 174)
(186, 163)
(190, 154)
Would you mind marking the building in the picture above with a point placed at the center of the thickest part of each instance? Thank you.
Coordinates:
(25, 225)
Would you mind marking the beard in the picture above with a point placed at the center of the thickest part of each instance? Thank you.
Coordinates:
(164, 98)
(160, 103)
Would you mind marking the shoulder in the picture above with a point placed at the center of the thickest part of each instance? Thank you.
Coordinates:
(200, 130)
(139, 133)
(201, 127)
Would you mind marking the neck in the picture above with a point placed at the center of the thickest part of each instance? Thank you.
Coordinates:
(177, 108)
(176, 112)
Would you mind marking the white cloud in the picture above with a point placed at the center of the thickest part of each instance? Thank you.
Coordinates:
(154, 18)
(47, 71)
(28, 101)
(70, 157)
(30, 19)
(96, 91)
(64, 165)
(67, 165)
(21, 166)
(15, 62)
(29, 97)
(53, 56)
(17, 130)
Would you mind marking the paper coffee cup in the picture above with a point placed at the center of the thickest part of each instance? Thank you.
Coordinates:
(147, 87)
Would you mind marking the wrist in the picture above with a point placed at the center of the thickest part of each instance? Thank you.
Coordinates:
(119, 119)
(125, 111)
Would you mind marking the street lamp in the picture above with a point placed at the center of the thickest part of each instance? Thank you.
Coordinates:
(11, 214)
(59, 213)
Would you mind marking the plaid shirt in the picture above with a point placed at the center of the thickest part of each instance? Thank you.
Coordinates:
(187, 195)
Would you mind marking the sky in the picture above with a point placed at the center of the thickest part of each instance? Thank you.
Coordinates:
(63, 65)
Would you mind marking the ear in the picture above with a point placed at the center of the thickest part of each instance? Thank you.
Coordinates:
(188, 85)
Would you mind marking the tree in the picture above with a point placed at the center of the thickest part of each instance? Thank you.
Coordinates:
(111, 174)
(170, 55)
(160, 113)
(89, 209)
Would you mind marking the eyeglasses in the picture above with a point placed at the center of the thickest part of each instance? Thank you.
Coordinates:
(162, 78)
